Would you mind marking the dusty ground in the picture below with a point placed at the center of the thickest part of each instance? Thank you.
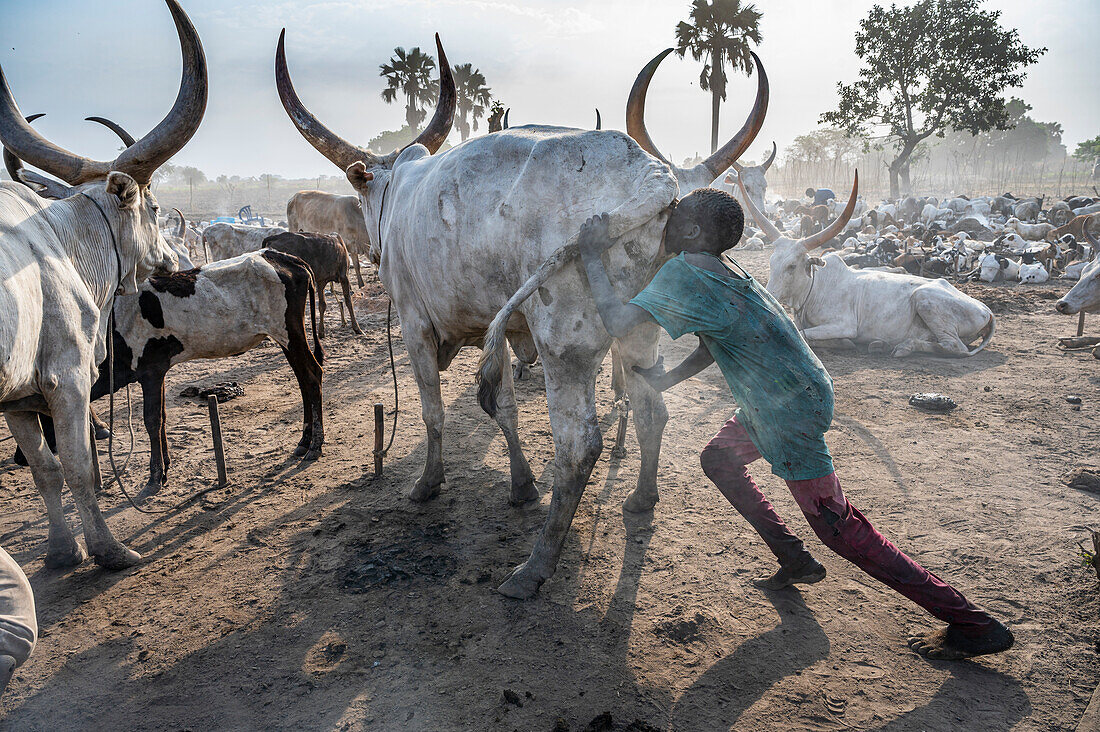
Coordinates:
(310, 596)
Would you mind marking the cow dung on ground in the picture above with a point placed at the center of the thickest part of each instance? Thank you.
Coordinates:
(224, 391)
(1085, 478)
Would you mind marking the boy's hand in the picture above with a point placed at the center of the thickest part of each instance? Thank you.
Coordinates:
(654, 375)
(593, 239)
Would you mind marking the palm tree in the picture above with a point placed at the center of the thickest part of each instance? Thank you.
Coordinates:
(410, 74)
(474, 97)
(720, 30)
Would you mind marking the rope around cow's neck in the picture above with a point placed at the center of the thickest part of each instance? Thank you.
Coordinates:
(799, 310)
(389, 333)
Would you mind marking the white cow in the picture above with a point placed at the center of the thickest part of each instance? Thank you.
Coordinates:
(61, 262)
(1085, 295)
(997, 268)
(1031, 232)
(887, 311)
(18, 624)
(753, 175)
(225, 241)
(323, 213)
(1033, 273)
(463, 230)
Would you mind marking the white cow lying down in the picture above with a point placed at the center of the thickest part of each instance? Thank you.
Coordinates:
(18, 625)
(886, 311)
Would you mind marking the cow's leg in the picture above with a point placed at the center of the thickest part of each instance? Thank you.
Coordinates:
(622, 401)
(308, 372)
(152, 409)
(358, 272)
(63, 549)
(345, 285)
(507, 416)
(421, 344)
(942, 318)
(570, 396)
(830, 331)
(69, 405)
(650, 415)
(322, 305)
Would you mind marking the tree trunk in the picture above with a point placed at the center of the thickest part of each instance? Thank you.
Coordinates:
(715, 103)
(899, 168)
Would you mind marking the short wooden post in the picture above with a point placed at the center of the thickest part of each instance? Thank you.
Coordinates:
(379, 434)
(216, 433)
(1081, 324)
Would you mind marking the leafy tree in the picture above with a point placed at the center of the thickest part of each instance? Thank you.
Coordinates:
(1088, 150)
(391, 140)
(932, 66)
(410, 74)
(474, 98)
(720, 32)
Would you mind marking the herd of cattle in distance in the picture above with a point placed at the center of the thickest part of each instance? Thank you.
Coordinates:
(88, 243)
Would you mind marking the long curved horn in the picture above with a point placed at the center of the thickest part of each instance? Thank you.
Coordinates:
(183, 223)
(140, 159)
(728, 153)
(126, 137)
(761, 220)
(635, 107)
(341, 152)
(435, 134)
(771, 158)
(821, 237)
(599, 121)
(13, 164)
(506, 112)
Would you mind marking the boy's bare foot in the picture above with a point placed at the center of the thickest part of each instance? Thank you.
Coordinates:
(806, 573)
(949, 643)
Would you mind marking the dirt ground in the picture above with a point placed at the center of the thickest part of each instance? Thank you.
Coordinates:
(310, 596)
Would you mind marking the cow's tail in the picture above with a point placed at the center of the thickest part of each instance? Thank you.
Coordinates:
(987, 335)
(205, 248)
(656, 192)
(318, 349)
(494, 355)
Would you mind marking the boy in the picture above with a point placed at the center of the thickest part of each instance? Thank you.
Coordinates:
(786, 406)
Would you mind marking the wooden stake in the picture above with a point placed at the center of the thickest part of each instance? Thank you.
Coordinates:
(1081, 324)
(379, 434)
(216, 433)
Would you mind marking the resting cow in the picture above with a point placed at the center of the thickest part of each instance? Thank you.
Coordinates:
(1085, 295)
(886, 311)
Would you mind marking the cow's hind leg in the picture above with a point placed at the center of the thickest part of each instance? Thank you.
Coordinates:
(570, 396)
(421, 344)
(507, 416)
(69, 405)
(345, 285)
(63, 549)
(358, 272)
(650, 414)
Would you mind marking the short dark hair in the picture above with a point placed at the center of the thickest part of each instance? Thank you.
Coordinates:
(718, 215)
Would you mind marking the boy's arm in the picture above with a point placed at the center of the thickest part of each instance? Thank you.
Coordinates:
(619, 318)
(661, 380)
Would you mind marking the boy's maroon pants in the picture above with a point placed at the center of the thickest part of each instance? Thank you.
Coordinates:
(838, 524)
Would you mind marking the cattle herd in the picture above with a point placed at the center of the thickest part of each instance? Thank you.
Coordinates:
(472, 246)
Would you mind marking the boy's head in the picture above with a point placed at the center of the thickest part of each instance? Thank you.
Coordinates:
(705, 220)
(810, 193)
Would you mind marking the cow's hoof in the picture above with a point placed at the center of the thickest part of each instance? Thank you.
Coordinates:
(640, 502)
(422, 491)
(70, 556)
(311, 454)
(357, 329)
(520, 371)
(523, 494)
(117, 556)
(521, 584)
(101, 432)
(877, 348)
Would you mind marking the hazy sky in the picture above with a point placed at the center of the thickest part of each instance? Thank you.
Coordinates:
(551, 61)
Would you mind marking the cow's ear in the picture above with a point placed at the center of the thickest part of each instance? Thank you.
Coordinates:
(358, 175)
(124, 188)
